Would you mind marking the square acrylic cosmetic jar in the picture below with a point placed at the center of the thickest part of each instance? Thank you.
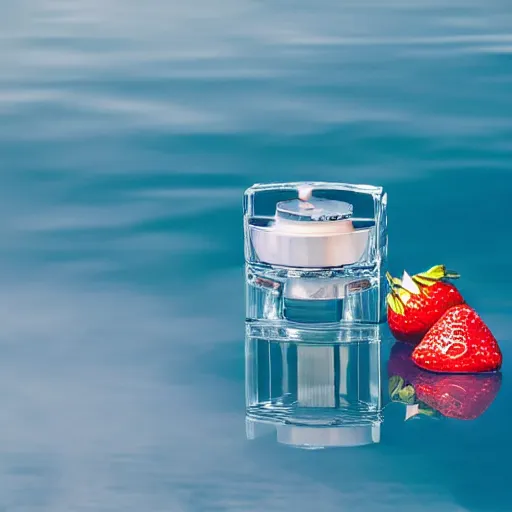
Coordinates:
(315, 253)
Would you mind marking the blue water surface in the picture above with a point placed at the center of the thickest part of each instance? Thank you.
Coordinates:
(128, 132)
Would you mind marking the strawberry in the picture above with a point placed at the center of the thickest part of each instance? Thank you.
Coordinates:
(459, 342)
(416, 303)
(464, 397)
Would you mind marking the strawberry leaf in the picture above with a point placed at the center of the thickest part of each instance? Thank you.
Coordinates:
(434, 274)
(395, 384)
(395, 304)
(427, 411)
(407, 394)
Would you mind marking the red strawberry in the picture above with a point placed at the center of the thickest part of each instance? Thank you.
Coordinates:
(464, 397)
(459, 342)
(416, 303)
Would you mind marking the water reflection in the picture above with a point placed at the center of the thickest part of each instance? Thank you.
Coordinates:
(463, 397)
(314, 395)
(323, 389)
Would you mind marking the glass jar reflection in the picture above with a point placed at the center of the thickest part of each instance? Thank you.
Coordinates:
(321, 394)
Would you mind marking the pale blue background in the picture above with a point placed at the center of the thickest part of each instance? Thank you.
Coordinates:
(128, 131)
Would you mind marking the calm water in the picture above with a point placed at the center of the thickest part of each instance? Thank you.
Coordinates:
(128, 131)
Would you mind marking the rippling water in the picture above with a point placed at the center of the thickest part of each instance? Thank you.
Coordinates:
(128, 133)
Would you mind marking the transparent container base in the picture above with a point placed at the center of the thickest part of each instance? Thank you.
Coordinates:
(308, 296)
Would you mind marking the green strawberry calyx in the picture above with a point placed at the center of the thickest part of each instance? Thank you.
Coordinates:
(433, 275)
(401, 290)
(403, 393)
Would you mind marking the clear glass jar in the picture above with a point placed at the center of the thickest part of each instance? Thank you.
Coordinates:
(315, 253)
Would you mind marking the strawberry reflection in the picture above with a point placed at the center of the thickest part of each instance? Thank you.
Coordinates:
(462, 396)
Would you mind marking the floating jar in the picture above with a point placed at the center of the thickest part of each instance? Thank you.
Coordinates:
(315, 253)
